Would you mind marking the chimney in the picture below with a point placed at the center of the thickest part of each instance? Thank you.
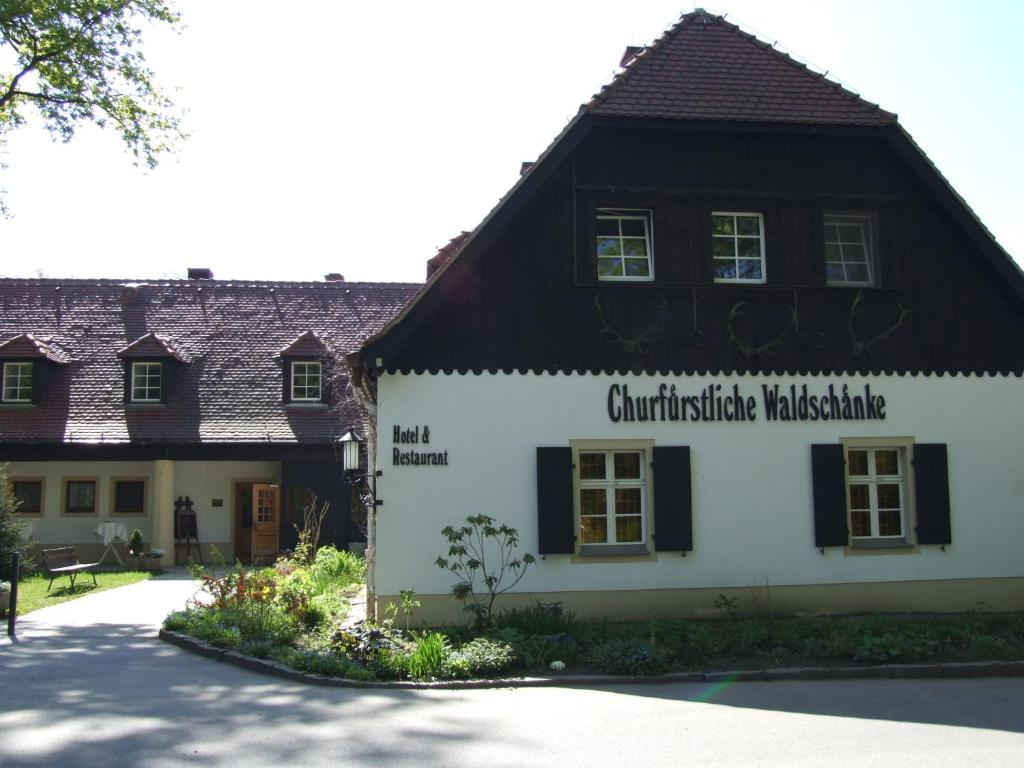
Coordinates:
(200, 273)
(630, 54)
(334, 277)
(525, 167)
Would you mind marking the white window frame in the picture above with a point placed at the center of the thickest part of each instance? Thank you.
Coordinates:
(645, 215)
(736, 237)
(13, 382)
(144, 393)
(872, 479)
(306, 364)
(609, 448)
(862, 220)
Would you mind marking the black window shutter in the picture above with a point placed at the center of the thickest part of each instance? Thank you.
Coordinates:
(286, 367)
(167, 371)
(40, 371)
(931, 486)
(673, 499)
(829, 478)
(127, 381)
(554, 501)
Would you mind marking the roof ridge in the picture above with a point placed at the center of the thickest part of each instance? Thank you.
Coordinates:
(222, 283)
(685, 21)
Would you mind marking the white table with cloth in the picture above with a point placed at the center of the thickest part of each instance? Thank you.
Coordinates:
(112, 533)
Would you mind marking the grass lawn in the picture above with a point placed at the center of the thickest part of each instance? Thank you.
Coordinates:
(32, 594)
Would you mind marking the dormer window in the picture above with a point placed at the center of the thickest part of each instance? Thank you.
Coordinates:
(307, 385)
(147, 379)
(303, 364)
(17, 382)
(150, 365)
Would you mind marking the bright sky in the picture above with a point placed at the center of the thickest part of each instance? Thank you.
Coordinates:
(358, 137)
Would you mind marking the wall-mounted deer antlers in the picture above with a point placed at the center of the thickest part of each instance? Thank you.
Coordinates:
(638, 343)
(859, 346)
(769, 347)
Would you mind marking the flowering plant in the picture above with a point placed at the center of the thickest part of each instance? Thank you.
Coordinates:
(5, 586)
(558, 666)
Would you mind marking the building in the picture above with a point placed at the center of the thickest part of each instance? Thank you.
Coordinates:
(121, 398)
(731, 334)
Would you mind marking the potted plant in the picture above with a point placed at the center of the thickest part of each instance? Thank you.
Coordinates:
(5, 597)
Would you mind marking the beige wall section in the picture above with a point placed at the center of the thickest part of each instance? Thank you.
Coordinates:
(203, 481)
(947, 596)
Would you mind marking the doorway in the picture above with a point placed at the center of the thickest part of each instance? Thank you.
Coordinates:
(257, 521)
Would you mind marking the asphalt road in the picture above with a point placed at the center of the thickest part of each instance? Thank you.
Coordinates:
(88, 684)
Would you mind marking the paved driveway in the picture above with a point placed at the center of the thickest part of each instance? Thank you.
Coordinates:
(88, 684)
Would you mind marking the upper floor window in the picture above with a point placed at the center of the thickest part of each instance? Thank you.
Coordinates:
(307, 384)
(737, 246)
(848, 249)
(624, 244)
(17, 384)
(146, 382)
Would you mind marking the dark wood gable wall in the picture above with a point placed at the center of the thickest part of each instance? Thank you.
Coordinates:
(532, 302)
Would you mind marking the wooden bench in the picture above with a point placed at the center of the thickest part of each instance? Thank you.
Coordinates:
(63, 561)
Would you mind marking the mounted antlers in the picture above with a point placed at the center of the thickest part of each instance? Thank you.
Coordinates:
(640, 342)
(768, 348)
(866, 346)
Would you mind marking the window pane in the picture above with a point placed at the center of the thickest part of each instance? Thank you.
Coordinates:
(889, 523)
(834, 273)
(889, 496)
(129, 496)
(592, 466)
(637, 268)
(607, 227)
(634, 246)
(858, 462)
(722, 225)
(609, 267)
(749, 247)
(628, 530)
(608, 246)
(860, 522)
(749, 269)
(832, 253)
(627, 466)
(748, 225)
(854, 253)
(885, 463)
(723, 247)
(857, 273)
(634, 227)
(594, 530)
(30, 494)
(851, 233)
(725, 270)
(81, 496)
(627, 501)
(831, 233)
(859, 497)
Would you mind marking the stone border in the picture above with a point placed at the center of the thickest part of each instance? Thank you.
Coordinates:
(878, 672)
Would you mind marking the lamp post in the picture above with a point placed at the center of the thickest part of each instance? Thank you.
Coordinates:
(351, 461)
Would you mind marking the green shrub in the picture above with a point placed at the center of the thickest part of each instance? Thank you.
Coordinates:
(481, 658)
(623, 657)
(429, 659)
(537, 619)
(341, 567)
(321, 663)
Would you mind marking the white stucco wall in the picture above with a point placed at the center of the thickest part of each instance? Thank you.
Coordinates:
(752, 489)
(203, 481)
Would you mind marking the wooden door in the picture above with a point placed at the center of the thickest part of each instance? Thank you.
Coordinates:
(266, 522)
(243, 522)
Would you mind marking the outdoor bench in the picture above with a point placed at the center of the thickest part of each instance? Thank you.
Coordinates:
(63, 561)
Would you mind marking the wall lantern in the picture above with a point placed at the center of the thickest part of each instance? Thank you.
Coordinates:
(351, 450)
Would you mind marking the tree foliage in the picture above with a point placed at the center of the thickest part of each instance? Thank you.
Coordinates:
(78, 61)
(10, 528)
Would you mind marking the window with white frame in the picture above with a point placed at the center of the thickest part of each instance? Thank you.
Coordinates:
(848, 258)
(612, 491)
(307, 384)
(624, 244)
(737, 247)
(17, 384)
(146, 382)
(877, 493)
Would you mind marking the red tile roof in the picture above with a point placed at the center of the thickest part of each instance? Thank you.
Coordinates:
(233, 332)
(704, 68)
(306, 345)
(153, 345)
(27, 345)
